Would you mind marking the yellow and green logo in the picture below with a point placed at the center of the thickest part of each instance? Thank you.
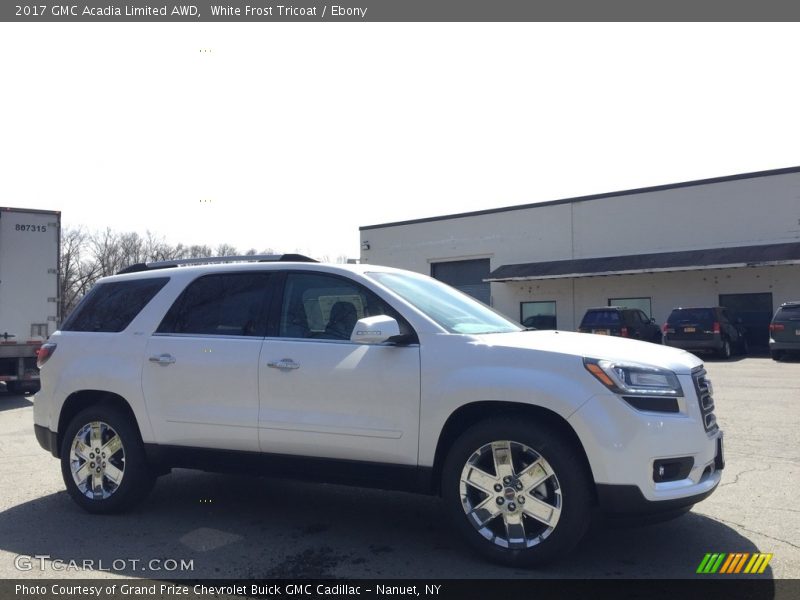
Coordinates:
(736, 562)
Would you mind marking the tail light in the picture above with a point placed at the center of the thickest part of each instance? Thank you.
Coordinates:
(776, 327)
(44, 353)
(716, 327)
(624, 332)
(667, 329)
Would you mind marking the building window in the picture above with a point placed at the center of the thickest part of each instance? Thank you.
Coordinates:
(642, 304)
(541, 315)
(465, 275)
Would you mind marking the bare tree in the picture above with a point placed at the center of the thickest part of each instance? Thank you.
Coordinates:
(85, 257)
(227, 250)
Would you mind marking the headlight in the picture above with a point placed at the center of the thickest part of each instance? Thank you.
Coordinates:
(633, 379)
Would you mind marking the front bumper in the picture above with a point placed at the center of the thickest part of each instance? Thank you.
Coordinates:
(624, 445)
(628, 501)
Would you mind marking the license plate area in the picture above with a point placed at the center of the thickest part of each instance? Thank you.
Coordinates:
(600, 331)
(689, 330)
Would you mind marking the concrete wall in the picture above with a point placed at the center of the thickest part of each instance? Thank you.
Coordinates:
(759, 210)
(667, 290)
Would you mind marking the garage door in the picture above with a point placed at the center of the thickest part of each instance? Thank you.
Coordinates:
(465, 275)
(755, 311)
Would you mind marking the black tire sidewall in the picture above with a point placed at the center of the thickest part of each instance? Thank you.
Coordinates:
(138, 478)
(568, 465)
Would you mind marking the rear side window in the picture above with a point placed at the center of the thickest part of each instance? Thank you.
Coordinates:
(110, 307)
(224, 304)
(692, 315)
(601, 317)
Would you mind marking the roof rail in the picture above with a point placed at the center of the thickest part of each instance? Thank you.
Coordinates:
(180, 262)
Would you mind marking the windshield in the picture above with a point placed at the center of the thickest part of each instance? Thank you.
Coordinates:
(453, 310)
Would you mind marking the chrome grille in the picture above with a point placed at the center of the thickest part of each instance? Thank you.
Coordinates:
(704, 396)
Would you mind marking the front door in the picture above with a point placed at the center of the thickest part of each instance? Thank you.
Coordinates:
(323, 395)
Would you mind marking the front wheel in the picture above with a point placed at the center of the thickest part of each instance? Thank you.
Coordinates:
(103, 462)
(518, 492)
(725, 351)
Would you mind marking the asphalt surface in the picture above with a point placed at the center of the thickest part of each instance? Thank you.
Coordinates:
(241, 527)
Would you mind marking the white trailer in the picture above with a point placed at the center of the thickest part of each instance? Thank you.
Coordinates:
(29, 284)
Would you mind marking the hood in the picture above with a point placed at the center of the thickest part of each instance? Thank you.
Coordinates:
(596, 346)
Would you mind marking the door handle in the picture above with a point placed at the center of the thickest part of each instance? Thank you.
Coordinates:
(163, 359)
(284, 363)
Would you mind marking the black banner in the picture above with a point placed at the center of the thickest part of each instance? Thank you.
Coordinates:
(730, 588)
(402, 10)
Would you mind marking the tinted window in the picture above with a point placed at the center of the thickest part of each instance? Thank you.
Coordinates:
(325, 307)
(224, 304)
(600, 317)
(692, 315)
(788, 312)
(111, 306)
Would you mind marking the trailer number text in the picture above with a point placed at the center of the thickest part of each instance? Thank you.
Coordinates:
(40, 228)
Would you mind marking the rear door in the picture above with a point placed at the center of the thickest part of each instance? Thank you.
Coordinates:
(200, 371)
(323, 395)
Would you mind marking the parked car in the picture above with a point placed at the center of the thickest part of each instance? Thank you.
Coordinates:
(705, 329)
(619, 321)
(372, 376)
(784, 330)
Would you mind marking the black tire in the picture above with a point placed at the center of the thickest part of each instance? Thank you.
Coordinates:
(776, 354)
(725, 351)
(137, 478)
(572, 479)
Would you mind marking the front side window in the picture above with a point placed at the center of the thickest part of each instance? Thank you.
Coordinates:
(224, 304)
(110, 307)
(327, 308)
(454, 311)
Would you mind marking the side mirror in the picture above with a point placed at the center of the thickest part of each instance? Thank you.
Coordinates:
(375, 330)
(653, 320)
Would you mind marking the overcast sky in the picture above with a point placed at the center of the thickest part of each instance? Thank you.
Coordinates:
(292, 135)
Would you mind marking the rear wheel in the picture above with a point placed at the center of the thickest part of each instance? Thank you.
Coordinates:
(776, 354)
(103, 462)
(516, 491)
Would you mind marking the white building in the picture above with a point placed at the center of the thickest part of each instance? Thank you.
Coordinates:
(730, 241)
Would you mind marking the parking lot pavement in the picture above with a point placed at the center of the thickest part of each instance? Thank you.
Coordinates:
(241, 527)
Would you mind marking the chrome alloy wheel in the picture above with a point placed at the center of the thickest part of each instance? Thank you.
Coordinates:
(97, 460)
(510, 494)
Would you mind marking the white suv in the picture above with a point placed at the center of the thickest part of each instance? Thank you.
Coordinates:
(372, 376)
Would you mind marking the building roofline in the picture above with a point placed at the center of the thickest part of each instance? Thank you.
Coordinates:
(655, 188)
